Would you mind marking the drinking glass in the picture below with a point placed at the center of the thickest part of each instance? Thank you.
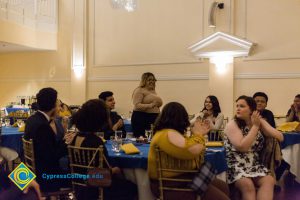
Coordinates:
(118, 134)
(7, 122)
(20, 122)
(148, 134)
(116, 144)
(129, 135)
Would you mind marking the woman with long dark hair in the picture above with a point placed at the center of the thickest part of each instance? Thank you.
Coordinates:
(212, 112)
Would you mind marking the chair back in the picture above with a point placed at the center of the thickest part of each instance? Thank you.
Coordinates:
(216, 135)
(84, 158)
(167, 165)
(29, 154)
(225, 122)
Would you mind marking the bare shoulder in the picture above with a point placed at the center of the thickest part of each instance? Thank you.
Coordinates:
(230, 127)
(176, 138)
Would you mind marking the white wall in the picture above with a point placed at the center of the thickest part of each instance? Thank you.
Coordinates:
(121, 46)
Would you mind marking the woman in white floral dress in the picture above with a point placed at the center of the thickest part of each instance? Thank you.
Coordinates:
(243, 140)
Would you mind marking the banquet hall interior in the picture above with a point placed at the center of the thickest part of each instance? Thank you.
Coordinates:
(195, 48)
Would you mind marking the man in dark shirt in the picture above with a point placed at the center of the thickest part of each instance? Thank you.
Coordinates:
(115, 119)
(261, 100)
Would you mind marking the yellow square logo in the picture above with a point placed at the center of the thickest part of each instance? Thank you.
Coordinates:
(21, 176)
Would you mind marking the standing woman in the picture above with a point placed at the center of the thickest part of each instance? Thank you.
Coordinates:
(243, 141)
(146, 105)
(212, 112)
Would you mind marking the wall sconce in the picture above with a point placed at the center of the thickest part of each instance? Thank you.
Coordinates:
(78, 70)
(221, 60)
(212, 14)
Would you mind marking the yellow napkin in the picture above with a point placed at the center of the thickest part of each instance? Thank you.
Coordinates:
(15, 125)
(214, 144)
(21, 129)
(289, 126)
(130, 148)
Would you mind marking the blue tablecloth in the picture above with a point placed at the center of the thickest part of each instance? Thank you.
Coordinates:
(140, 160)
(9, 110)
(290, 138)
(128, 161)
(12, 138)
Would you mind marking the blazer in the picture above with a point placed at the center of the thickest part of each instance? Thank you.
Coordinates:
(47, 149)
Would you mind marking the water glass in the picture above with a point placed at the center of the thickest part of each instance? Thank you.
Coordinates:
(118, 134)
(7, 122)
(116, 144)
(20, 123)
(148, 134)
(129, 135)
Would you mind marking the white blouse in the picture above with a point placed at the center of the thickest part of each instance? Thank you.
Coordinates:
(215, 122)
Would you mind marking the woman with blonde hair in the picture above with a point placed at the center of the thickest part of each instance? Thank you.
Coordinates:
(146, 105)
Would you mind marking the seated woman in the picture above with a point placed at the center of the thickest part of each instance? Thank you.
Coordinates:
(169, 129)
(212, 112)
(88, 120)
(243, 141)
(294, 112)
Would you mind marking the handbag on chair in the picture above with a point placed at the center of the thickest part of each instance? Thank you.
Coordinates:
(99, 177)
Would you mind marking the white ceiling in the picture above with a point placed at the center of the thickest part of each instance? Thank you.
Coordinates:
(10, 47)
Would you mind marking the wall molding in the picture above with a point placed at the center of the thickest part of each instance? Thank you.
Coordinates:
(158, 77)
(182, 77)
(149, 63)
(267, 76)
(34, 80)
(250, 58)
(171, 77)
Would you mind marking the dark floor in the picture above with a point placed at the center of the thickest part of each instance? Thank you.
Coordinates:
(290, 191)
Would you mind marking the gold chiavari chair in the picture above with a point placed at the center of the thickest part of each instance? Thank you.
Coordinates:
(29, 159)
(81, 159)
(168, 164)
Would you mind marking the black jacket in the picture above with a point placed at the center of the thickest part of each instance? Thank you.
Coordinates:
(47, 150)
